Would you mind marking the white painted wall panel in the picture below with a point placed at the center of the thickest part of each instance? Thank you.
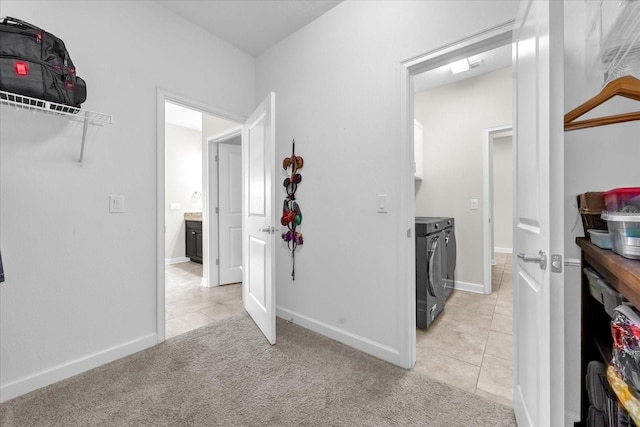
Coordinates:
(183, 166)
(338, 86)
(80, 284)
(454, 118)
(596, 159)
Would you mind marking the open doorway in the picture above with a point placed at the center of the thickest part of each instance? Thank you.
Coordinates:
(198, 171)
(468, 341)
(497, 212)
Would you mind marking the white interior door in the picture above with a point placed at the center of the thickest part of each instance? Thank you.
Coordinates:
(538, 214)
(258, 230)
(230, 212)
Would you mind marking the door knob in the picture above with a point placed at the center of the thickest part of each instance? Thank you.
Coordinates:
(269, 230)
(540, 259)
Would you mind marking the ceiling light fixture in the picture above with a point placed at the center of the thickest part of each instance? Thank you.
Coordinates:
(464, 65)
(459, 66)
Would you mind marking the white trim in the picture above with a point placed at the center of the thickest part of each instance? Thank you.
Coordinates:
(500, 250)
(492, 37)
(169, 261)
(381, 351)
(226, 134)
(488, 135)
(499, 35)
(210, 151)
(406, 226)
(162, 97)
(66, 370)
(476, 288)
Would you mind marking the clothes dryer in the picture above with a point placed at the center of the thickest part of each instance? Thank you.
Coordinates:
(430, 285)
(449, 258)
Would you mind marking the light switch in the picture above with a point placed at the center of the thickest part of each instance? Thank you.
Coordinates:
(382, 203)
(116, 204)
(474, 204)
(175, 206)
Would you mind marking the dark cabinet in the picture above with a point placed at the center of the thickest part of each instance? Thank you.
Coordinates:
(193, 240)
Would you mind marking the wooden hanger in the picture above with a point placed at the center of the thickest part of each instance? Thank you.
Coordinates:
(627, 86)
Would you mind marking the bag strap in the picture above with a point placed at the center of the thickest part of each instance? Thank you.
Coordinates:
(10, 20)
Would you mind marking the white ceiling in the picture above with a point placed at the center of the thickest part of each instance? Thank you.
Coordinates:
(181, 116)
(251, 25)
(491, 60)
(255, 25)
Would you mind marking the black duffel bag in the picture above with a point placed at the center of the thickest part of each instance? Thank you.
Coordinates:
(36, 63)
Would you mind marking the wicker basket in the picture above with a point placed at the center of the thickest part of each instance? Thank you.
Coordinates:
(590, 206)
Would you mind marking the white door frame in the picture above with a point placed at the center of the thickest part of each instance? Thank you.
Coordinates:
(488, 135)
(163, 96)
(213, 241)
(499, 35)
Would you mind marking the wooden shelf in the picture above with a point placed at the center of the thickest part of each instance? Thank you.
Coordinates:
(622, 273)
(596, 342)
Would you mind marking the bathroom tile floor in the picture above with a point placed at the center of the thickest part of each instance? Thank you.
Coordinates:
(470, 345)
(188, 305)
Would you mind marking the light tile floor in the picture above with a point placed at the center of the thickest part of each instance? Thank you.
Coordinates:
(188, 305)
(470, 345)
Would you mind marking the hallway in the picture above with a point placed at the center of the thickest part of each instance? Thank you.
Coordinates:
(188, 305)
(470, 345)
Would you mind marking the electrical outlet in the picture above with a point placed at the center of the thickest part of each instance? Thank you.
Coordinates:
(474, 204)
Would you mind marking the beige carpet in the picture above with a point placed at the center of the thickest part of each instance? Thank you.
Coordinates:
(226, 374)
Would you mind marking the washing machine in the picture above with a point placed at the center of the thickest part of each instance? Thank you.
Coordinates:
(431, 287)
(449, 258)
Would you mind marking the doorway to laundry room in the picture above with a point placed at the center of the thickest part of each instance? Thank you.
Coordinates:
(464, 327)
(202, 214)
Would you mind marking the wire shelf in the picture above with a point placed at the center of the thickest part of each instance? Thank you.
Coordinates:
(72, 113)
(85, 117)
(613, 38)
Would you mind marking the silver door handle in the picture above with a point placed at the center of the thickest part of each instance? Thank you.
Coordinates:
(540, 259)
(269, 230)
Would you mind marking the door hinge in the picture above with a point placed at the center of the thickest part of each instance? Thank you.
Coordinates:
(218, 262)
(217, 209)
(556, 263)
(409, 232)
(216, 157)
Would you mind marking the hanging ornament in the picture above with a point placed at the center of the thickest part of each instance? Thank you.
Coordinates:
(291, 213)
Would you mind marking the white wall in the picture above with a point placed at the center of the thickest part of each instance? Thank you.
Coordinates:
(454, 117)
(183, 177)
(595, 159)
(81, 284)
(337, 84)
(503, 193)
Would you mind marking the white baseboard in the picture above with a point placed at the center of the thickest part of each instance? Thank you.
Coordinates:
(503, 250)
(180, 260)
(43, 378)
(381, 351)
(469, 287)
